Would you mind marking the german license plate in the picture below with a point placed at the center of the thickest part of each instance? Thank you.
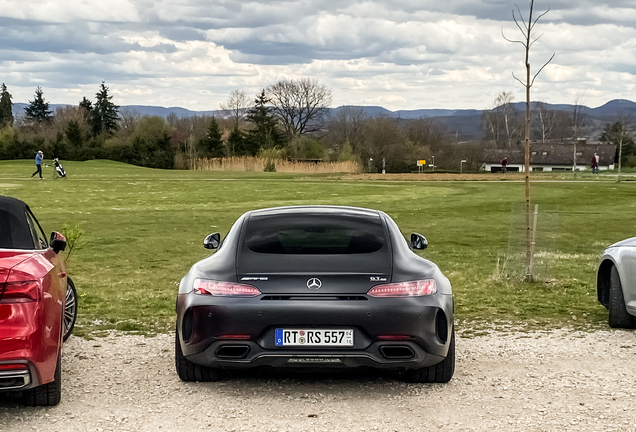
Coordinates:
(313, 337)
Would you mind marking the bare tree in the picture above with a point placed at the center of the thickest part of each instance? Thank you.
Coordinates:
(580, 116)
(491, 126)
(299, 104)
(579, 122)
(562, 126)
(618, 132)
(527, 42)
(236, 106)
(428, 132)
(546, 120)
(501, 122)
(128, 119)
(347, 126)
(67, 114)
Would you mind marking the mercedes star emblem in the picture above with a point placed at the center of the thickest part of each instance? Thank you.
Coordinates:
(314, 284)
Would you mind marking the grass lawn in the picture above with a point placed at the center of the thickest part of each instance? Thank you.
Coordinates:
(145, 227)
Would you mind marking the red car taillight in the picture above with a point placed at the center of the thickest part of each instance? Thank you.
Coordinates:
(224, 289)
(20, 292)
(405, 289)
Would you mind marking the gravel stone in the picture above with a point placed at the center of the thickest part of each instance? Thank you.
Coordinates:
(557, 380)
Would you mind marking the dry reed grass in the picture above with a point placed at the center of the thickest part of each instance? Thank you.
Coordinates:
(251, 164)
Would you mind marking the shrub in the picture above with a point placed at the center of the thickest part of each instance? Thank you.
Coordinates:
(270, 166)
(74, 239)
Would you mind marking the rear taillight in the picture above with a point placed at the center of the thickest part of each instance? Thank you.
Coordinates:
(20, 292)
(224, 289)
(405, 289)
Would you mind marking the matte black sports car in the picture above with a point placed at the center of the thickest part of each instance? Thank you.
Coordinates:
(315, 286)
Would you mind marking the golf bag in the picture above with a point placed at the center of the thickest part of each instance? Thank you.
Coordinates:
(59, 170)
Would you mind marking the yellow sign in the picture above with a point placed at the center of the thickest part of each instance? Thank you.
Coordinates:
(421, 162)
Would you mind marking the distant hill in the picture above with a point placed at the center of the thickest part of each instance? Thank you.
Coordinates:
(614, 107)
(18, 109)
(165, 112)
(466, 123)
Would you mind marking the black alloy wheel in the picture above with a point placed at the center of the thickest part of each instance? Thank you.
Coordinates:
(441, 372)
(618, 316)
(70, 308)
(189, 371)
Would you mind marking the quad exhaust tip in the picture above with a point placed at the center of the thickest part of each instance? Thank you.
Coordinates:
(232, 351)
(13, 380)
(393, 352)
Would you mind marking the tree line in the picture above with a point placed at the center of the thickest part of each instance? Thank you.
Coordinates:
(503, 128)
(285, 120)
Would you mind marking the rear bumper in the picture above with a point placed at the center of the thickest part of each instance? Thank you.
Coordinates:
(26, 340)
(255, 356)
(17, 378)
(423, 324)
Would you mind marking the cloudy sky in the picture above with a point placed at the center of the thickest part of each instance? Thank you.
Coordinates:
(400, 54)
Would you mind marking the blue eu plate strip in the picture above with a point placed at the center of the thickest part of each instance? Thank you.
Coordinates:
(279, 337)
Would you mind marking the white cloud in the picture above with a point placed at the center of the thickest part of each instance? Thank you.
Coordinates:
(68, 11)
(398, 53)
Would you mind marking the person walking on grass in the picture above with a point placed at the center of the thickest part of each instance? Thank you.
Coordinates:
(504, 165)
(595, 160)
(38, 164)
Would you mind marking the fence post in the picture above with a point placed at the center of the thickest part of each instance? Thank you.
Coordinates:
(532, 244)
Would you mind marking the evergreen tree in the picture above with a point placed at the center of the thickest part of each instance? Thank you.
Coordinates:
(74, 133)
(266, 134)
(236, 142)
(87, 105)
(212, 144)
(38, 110)
(6, 108)
(104, 115)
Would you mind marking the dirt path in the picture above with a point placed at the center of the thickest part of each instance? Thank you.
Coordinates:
(548, 381)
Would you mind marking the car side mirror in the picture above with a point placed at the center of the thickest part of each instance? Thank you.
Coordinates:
(418, 241)
(213, 241)
(58, 242)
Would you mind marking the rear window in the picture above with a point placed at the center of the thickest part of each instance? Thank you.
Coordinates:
(314, 234)
(14, 232)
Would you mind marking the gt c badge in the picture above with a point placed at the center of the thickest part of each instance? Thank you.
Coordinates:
(314, 284)
(377, 279)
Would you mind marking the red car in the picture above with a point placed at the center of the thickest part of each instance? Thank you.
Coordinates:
(38, 305)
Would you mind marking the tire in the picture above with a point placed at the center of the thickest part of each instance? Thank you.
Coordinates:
(442, 372)
(70, 308)
(189, 371)
(47, 394)
(618, 316)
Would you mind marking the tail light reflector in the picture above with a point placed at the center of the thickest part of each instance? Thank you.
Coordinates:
(224, 289)
(20, 292)
(13, 367)
(394, 337)
(234, 337)
(405, 289)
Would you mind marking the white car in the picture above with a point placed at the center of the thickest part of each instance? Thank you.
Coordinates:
(616, 283)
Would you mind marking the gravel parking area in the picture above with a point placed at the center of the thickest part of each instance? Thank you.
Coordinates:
(539, 381)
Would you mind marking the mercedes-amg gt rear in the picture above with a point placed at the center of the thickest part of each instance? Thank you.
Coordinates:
(315, 286)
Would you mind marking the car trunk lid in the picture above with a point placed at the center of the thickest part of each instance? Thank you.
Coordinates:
(8, 260)
(314, 284)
